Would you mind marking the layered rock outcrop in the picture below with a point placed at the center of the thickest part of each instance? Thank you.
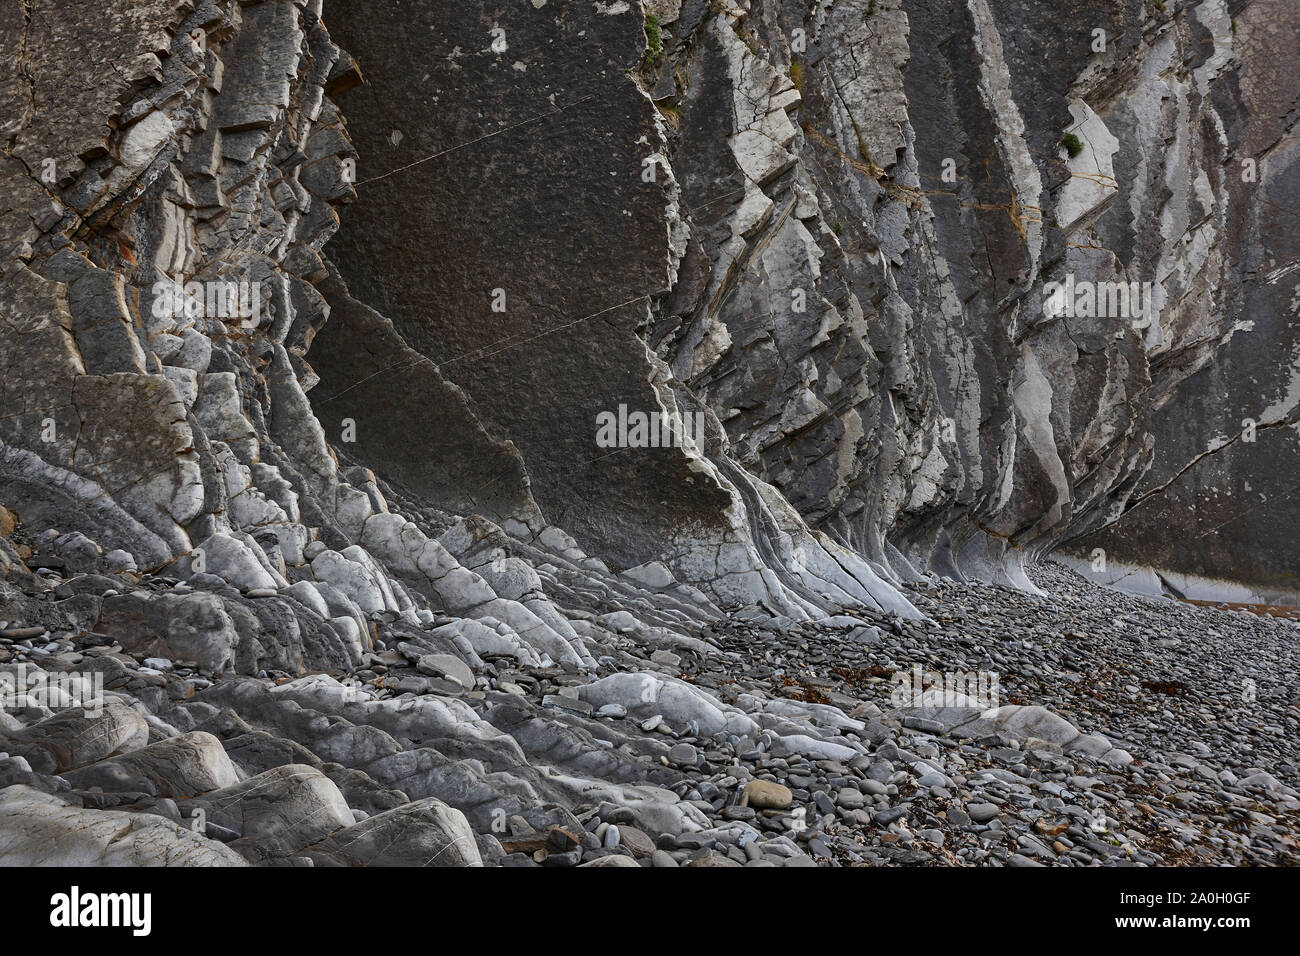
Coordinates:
(843, 223)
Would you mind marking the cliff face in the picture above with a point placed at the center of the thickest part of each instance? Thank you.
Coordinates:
(845, 251)
(829, 231)
(1214, 515)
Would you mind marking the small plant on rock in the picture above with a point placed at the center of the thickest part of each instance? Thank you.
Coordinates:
(654, 39)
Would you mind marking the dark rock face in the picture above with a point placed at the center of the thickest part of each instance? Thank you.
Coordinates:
(846, 254)
(422, 434)
(553, 213)
(490, 278)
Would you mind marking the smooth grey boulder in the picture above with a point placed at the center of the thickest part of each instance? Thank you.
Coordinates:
(186, 766)
(75, 738)
(614, 859)
(444, 665)
(184, 627)
(280, 811)
(37, 829)
(423, 833)
(647, 695)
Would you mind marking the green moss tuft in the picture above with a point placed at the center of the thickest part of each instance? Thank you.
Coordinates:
(654, 38)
